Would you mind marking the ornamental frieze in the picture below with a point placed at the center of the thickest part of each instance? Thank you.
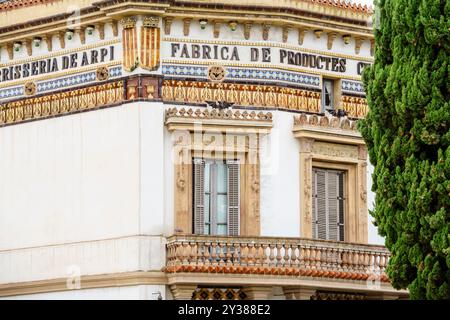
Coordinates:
(62, 103)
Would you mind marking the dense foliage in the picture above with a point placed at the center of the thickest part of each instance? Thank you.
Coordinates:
(407, 135)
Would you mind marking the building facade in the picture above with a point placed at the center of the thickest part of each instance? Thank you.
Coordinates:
(186, 150)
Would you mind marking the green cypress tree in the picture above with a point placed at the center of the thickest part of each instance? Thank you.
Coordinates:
(407, 135)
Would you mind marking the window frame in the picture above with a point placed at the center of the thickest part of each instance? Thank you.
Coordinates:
(213, 193)
(332, 98)
(340, 235)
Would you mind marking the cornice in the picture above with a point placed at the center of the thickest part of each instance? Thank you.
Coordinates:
(308, 17)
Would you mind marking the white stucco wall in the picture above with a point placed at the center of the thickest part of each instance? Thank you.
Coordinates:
(82, 188)
(280, 182)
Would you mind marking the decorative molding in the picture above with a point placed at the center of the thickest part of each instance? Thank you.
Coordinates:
(215, 114)
(82, 33)
(219, 294)
(186, 26)
(301, 35)
(100, 26)
(265, 31)
(133, 278)
(10, 50)
(102, 73)
(150, 22)
(29, 46)
(318, 33)
(29, 88)
(247, 29)
(61, 103)
(320, 295)
(330, 39)
(354, 106)
(167, 25)
(128, 22)
(331, 122)
(62, 39)
(216, 28)
(358, 43)
(115, 27)
(285, 33)
(335, 150)
(241, 94)
(49, 41)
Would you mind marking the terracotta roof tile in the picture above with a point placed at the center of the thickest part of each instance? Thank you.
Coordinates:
(16, 4)
(343, 4)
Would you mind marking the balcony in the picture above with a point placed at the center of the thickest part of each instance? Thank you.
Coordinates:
(288, 263)
(276, 256)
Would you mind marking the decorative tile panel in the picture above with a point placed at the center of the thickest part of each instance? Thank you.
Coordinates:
(237, 73)
(46, 86)
(352, 87)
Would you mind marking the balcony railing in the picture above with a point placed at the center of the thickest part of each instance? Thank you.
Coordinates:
(276, 256)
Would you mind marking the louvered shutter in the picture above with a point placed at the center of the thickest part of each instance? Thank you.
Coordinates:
(199, 196)
(333, 204)
(319, 204)
(233, 197)
(341, 205)
(328, 204)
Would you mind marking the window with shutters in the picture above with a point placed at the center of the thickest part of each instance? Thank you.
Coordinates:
(216, 197)
(328, 204)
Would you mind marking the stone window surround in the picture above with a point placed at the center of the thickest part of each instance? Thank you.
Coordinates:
(212, 141)
(341, 149)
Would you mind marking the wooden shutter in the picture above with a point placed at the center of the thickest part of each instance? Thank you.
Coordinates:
(333, 205)
(233, 197)
(319, 204)
(199, 196)
(328, 204)
(341, 205)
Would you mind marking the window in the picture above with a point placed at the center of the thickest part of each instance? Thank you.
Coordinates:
(328, 204)
(216, 197)
(327, 94)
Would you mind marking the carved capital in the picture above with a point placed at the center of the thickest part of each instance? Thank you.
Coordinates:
(128, 22)
(150, 22)
(306, 145)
